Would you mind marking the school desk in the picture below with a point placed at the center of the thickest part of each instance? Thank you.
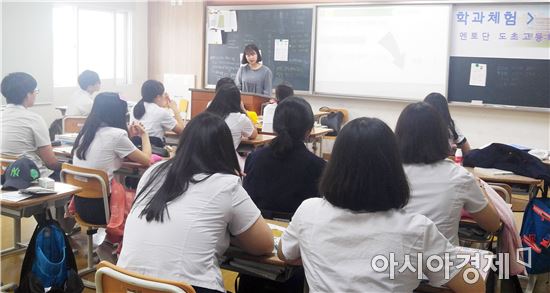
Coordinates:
(258, 141)
(315, 138)
(32, 206)
(510, 179)
(259, 266)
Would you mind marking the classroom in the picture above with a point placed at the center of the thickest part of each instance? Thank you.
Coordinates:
(489, 59)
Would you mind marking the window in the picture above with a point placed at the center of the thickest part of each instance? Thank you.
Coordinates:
(94, 39)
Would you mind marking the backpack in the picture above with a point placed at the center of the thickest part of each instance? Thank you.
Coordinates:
(55, 128)
(333, 120)
(505, 157)
(535, 234)
(49, 262)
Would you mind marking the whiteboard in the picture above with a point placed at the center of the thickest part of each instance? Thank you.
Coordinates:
(385, 51)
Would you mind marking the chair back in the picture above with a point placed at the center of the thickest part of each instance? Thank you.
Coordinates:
(504, 190)
(73, 124)
(111, 278)
(93, 182)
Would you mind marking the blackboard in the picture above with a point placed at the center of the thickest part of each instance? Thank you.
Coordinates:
(262, 27)
(517, 82)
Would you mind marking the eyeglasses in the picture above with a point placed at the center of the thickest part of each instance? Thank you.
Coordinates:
(37, 91)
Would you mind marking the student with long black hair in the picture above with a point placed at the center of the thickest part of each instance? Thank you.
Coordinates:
(227, 104)
(104, 141)
(152, 112)
(187, 208)
(456, 138)
(285, 173)
(440, 188)
(339, 238)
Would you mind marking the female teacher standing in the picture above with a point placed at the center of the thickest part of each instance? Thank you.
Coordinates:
(253, 77)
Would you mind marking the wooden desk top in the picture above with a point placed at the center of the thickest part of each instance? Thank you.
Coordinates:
(63, 191)
(319, 131)
(513, 179)
(261, 139)
(64, 152)
(272, 259)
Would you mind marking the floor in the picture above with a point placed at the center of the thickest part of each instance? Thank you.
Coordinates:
(11, 265)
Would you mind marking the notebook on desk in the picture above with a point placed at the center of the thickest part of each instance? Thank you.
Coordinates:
(491, 171)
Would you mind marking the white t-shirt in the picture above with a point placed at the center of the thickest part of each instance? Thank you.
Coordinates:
(23, 132)
(107, 151)
(240, 125)
(269, 113)
(439, 191)
(338, 246)
(81, 103)
(157, 120)
(188, 245)
(460, 137)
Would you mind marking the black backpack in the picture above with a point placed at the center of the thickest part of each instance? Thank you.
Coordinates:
(49, 262)
(505, 157)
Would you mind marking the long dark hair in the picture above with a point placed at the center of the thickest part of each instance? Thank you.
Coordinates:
(365, 173)
(422, 135)
(227, 100)
(440, 104)
(205, 147)
(293, 118)
(149, 91)
(108, 110)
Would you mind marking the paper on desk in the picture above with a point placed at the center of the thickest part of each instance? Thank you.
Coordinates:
(14, 196)
(491, 171)
(478, 74)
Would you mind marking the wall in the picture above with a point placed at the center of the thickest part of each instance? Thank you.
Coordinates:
(27, 46)
(176, 43)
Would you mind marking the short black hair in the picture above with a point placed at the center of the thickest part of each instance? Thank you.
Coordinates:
(249, 48)
(422, 135)
(365, 173)
(222, 81)
(16, 86)
(88, 78)
(283, 91)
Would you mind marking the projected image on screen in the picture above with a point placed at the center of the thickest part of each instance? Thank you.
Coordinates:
(398, 51)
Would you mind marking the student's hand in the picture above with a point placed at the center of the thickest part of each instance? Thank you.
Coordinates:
(242, 107)
(172, 105)
(136, 129)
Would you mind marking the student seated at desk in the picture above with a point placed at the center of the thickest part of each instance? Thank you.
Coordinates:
(456, 138)
(361, 218)
(285, 173)
(282, 92)
(152, 112)
(228, 105)
(440, 189)
(104, 142)
(81, 101)
(24, 133)
(187, 208)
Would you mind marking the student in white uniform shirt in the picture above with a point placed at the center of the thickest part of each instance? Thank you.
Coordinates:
(24, 133)
(227, 104)
(187, 209)
(157, 112)
(81, 101)
(104, 143)
(440, 189)
(282, 92)
(360, 219)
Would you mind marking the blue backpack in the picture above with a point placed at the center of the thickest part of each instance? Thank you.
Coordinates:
(49, 262)
(535, 235)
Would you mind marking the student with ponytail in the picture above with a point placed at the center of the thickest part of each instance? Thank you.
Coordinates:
(283, 174)
(151, 112)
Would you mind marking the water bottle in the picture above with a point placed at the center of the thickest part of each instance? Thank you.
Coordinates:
(458, 156)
